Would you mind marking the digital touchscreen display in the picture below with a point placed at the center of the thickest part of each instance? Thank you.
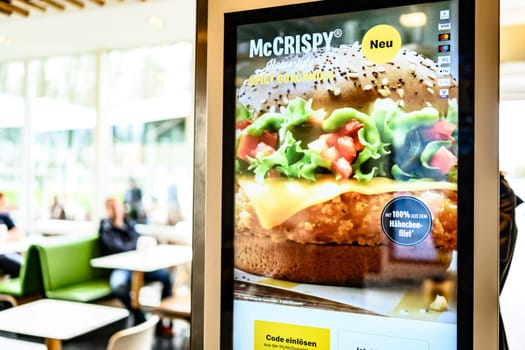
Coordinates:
(345, 158)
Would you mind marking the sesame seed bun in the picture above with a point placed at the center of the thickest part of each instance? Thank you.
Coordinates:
(410, 79)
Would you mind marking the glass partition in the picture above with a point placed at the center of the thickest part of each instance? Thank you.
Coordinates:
(63, 115)
(11, 123)
(149, 99)
(76, 129)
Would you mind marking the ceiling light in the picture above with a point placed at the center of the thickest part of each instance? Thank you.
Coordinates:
(413, 20)
(156, 22)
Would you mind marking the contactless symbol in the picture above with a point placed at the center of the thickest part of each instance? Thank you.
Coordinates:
(381, 43)
(406, 221)
(444, 14)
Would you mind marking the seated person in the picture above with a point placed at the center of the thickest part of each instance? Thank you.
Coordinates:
(10, 263)
(117, 234)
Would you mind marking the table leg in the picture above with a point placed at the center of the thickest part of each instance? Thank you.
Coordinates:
(53, 344)
(137, 281)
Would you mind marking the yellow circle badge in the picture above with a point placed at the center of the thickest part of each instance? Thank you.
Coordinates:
(381, 43)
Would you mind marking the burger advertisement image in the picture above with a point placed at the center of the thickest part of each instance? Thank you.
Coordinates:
(345, 229)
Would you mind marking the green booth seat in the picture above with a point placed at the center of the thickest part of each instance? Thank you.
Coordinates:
(29, 282)
(67, 273)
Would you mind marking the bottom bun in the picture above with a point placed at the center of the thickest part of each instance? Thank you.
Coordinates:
(349, 265)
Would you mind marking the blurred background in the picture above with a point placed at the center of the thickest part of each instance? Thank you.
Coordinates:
(94, 100)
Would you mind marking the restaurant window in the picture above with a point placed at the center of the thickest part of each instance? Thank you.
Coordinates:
(11, 142)
(149, 100)
(64, 117)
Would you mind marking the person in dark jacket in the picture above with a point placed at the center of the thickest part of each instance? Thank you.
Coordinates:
(508, 234)
(133, 203)
(10, 263)
(117, 234)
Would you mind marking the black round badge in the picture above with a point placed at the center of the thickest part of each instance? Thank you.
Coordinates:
(406, 220)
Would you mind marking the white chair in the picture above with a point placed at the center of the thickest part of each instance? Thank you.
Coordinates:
(9, 299)
(139, 337)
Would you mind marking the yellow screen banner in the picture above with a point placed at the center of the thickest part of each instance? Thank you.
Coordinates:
(282, 336)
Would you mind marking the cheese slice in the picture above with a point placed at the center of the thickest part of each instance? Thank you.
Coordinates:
(276, 199)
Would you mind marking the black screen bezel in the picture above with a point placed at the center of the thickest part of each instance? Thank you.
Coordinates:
(466, 55)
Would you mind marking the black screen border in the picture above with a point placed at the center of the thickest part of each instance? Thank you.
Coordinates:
(466, 54)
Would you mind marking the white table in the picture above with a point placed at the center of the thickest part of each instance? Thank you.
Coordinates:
(18, 246)
(55, 227)
(57, 320)
(179, 233)
(13, 246)
(159, 257)
(16, 344)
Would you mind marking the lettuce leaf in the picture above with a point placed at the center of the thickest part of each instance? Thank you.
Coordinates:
(296, 113)
(290, 159)
(394, 124)
(410, 153)
(242, 113)
(386, 137)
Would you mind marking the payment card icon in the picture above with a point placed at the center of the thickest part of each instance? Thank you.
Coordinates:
(444, 14)
(444, 37)
(444, 26)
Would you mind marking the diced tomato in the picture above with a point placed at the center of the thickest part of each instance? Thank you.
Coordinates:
(330, 154)
(243, 124)
(351, 128)
(250, 145)
(444, 160)
(442, 130)
(331, 139)
(247, 145)
(269, 138)
(345, 147)
(445, 127)
(342, 167)
(358, 145)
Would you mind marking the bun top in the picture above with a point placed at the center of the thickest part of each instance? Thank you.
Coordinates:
(343, 77)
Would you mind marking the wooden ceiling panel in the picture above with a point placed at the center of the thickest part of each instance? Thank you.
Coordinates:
(32, 5)
(8, 6)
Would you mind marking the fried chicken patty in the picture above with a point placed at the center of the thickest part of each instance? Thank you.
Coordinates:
(351, 218)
